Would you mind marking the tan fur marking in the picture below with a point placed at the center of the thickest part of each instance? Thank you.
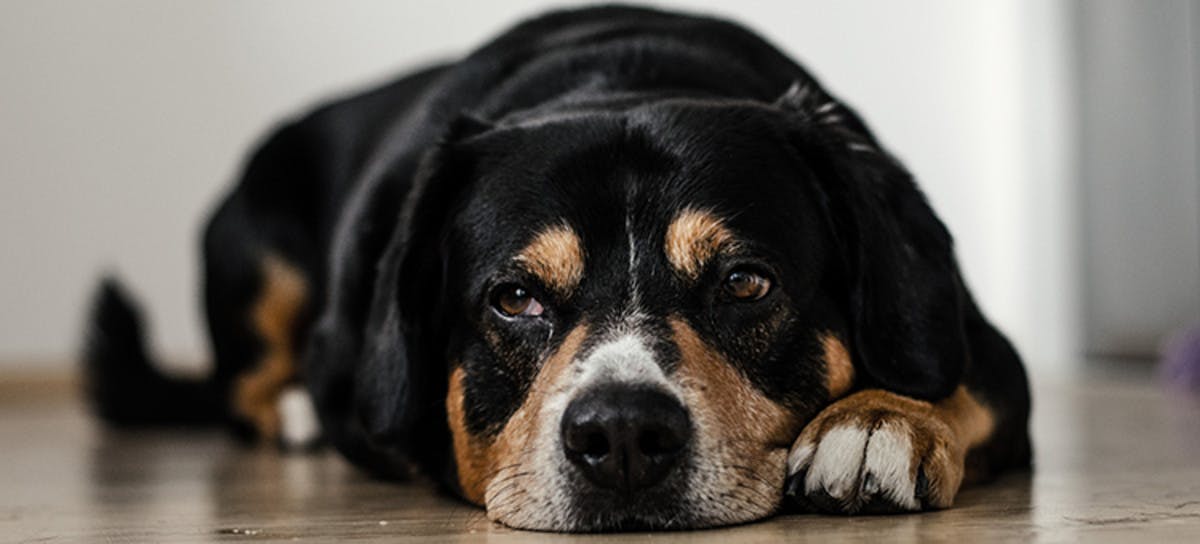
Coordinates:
(694, 237)
(556, 257)
(971, 421)
(471, 453)
(744, 416)
(839, 370)
(273, 317)
(479, 461)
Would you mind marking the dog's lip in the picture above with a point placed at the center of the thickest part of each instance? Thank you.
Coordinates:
(657, 509)
(667, 512)
(670, 517)
(674, 517)
(659, 501)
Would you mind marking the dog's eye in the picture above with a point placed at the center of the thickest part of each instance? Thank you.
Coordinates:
(745, 284)
(515, 301)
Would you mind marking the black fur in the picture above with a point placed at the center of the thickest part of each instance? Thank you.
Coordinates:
(397, 204)
(124, 384)
(906, 295)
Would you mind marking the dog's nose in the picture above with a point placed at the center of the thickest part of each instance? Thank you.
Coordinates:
(625, 437)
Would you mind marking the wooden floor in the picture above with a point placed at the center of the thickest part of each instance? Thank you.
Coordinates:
(1118, 460)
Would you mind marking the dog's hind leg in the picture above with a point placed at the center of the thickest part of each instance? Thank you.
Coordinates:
(259, 308)
(257, 392)
(261, 281)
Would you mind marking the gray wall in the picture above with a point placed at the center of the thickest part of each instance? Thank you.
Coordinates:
(1139, 64)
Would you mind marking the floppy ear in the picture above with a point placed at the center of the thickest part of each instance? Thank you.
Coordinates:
(905, 293)
(400, 383)
(373, 382)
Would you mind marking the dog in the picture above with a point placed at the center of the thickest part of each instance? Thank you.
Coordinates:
(616, 269)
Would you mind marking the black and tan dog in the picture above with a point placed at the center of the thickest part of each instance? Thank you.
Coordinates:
(617, 268)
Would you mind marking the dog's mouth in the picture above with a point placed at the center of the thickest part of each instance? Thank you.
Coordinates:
(663, 511)
(697, 499)
(606, 511)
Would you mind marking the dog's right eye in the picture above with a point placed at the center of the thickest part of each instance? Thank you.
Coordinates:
(515, 301)
(746, 284)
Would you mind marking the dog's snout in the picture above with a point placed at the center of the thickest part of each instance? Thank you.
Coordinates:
(625, 437)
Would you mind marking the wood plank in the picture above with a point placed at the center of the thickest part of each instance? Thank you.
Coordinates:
(1117, 461)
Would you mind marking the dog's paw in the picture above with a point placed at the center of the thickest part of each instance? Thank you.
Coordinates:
(299, 427)
(875, 452)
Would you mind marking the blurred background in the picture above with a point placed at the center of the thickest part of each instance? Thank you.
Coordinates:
(1058, 140)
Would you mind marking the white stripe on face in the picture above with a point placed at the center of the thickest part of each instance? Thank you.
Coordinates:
(624, 360)
(634, 296)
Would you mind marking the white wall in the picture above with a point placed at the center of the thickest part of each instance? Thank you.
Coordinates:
(121, 122)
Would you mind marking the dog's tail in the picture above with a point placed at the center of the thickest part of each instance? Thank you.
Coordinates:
(125, 388)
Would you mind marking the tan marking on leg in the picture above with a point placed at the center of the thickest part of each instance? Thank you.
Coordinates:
(694, 237)
(970, 419)
(970, 424)
(556, 257)
(273, 316)
(839, 370)
(481, 460)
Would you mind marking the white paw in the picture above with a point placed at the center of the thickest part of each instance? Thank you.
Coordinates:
(875, 453)
(299, 427)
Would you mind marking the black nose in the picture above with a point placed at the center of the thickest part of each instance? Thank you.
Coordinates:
(625, 437)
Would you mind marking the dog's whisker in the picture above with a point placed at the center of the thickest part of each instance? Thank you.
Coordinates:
(753, 474)
(499, 492)
(510, 477)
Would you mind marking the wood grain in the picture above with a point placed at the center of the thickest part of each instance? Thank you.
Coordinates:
(1117, 461)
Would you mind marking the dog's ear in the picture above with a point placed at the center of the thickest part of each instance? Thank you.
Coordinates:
(400, 382)
(905, 294)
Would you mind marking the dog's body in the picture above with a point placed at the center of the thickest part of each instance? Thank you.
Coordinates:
(617, 268)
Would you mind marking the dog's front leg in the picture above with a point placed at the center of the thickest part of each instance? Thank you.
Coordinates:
(878, 452)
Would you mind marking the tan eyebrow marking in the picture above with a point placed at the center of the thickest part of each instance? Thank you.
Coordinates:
(556, 257)
(694, 237)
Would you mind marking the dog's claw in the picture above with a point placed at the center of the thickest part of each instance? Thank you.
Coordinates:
(870, 485)
(794, 500)
(922, 487)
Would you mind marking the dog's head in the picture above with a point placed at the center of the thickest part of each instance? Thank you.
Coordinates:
(628, 313)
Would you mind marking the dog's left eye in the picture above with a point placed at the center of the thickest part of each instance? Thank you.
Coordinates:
(514, 301)
(743, 284)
